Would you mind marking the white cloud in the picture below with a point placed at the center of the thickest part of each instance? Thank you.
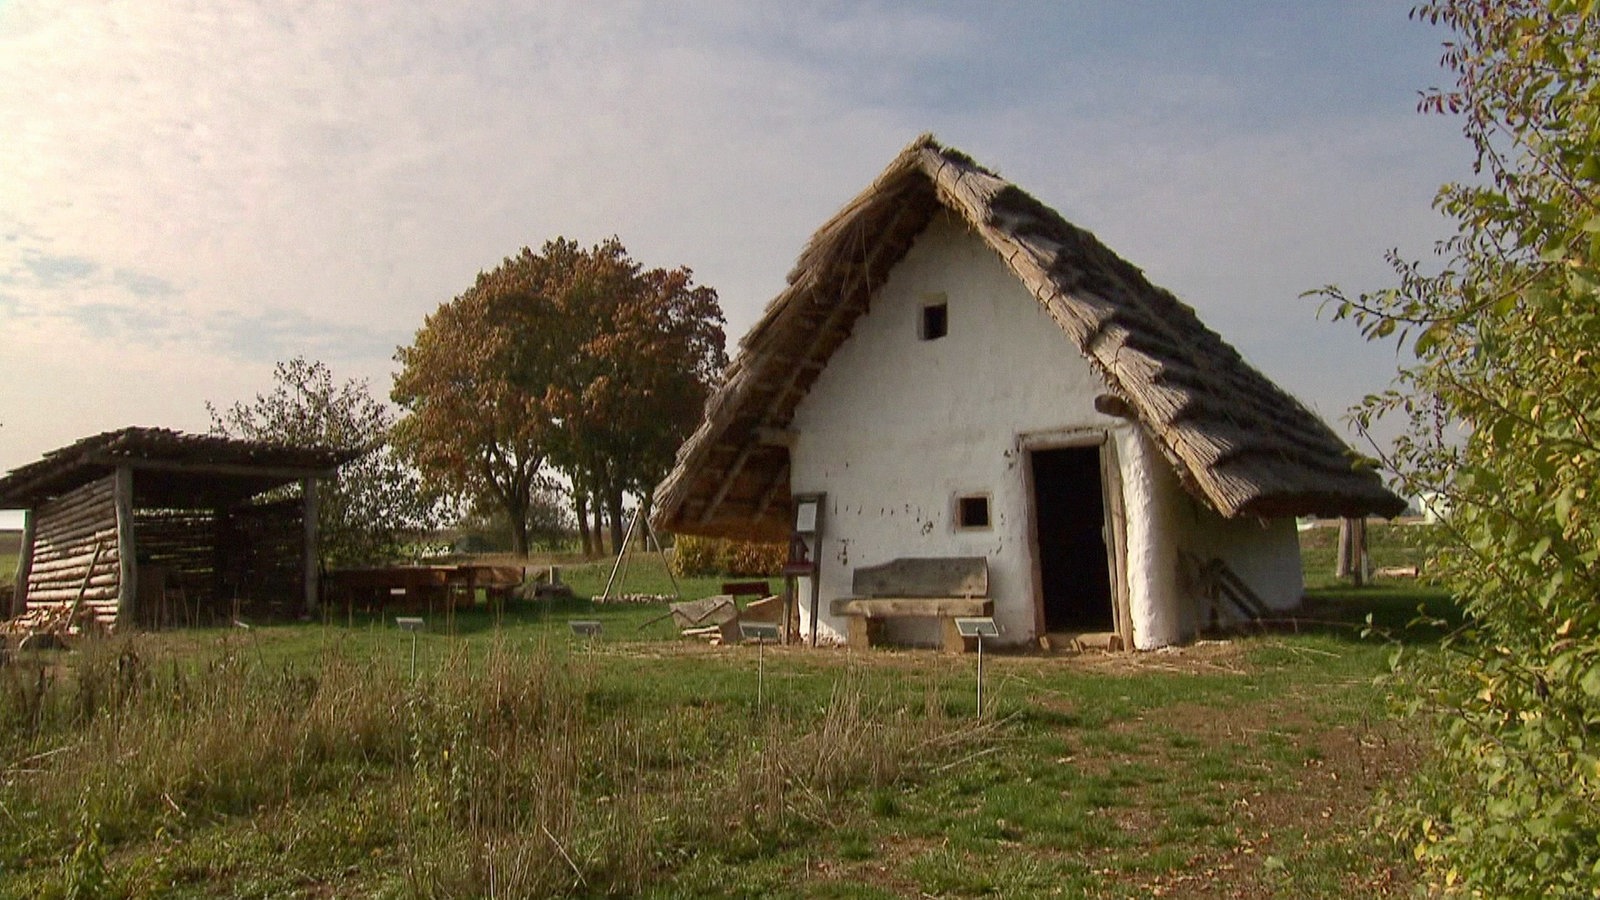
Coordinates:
(191, 191)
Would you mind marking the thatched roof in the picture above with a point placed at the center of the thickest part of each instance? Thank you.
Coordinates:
(1238, 442)
(175, 468)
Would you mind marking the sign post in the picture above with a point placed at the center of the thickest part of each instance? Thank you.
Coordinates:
(978, 627)
(412, 624)
(760, 632)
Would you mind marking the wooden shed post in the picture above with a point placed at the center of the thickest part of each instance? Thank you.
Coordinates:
(308, 516)
(127, 562)
(19, 599)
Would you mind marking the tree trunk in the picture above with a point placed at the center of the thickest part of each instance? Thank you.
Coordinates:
(580, 505)
(519, 529)
(599, 528)
(1351, 562)
(614, 511)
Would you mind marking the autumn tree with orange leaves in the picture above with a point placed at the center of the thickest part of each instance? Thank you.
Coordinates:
(569, 358)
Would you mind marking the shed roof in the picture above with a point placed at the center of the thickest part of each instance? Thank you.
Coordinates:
(1238, 442)
(175, 469)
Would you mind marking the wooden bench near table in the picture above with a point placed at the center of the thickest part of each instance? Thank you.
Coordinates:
(916, 587)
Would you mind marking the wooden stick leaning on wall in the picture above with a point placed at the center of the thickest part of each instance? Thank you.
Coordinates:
(77, 604)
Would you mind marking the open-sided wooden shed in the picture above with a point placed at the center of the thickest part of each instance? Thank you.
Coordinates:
(154, 527)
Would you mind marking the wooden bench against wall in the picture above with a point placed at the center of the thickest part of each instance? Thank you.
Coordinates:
(916, 587)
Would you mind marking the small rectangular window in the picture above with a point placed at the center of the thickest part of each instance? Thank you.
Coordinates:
(935, 321)
(972, 511)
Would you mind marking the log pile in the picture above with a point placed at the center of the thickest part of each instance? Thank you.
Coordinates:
(75, 568)
(216, 565)
(60, 620)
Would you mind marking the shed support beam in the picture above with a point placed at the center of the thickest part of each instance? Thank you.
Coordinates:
(287, 473)
(835, 314)
(19, 599)
(727, 481)
(778, 481)
(127, 553)
(308, 517)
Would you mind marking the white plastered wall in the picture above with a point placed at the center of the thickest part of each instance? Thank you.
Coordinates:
(896, 428)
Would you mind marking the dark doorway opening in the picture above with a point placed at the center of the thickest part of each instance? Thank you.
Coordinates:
(1070, 524)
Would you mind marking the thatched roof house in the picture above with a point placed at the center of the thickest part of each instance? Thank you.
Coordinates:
(1240, 447)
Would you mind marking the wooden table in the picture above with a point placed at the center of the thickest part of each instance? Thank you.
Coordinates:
(420, 587)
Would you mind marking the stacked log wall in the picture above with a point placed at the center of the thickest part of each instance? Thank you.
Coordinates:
(75, 556)
(244, 560)
(182, 543)
(262, 548)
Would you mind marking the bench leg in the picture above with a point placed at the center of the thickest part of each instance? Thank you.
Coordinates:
(862, 632)
(951, 637)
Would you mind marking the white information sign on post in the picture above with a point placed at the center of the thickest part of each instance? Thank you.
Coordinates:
(978, 627)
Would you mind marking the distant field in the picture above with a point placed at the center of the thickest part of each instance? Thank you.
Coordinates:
(10, 542)
(1388, 544)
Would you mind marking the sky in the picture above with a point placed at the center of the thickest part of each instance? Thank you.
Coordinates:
(193, 191)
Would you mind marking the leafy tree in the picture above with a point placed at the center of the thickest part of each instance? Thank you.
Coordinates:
(376, 504)
(1506, 344)
(475, 382)
(651, 350)
(487, 531)
(572, 357)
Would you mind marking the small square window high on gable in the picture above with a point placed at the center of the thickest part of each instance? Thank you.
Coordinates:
(935, 321)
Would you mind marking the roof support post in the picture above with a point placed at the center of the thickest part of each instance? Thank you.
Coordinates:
(19, 599)
(127, 551)
(308, 520)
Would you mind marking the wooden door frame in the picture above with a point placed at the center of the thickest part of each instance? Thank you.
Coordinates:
(1116, 519)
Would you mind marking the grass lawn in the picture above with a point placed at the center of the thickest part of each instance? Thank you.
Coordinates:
(521, 760)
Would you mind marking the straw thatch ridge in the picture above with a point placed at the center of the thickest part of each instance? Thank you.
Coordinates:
(1237, 441)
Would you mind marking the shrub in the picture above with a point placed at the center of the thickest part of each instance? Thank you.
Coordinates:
(699, 556)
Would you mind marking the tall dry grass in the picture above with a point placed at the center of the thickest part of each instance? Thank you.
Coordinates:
(524, 772)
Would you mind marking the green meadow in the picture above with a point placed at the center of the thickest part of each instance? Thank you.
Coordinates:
(499, 754)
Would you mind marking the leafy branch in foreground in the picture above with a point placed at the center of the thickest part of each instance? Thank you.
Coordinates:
(1506, 345)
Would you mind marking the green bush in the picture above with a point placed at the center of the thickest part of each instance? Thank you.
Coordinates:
(1501, 413)
(699, 556)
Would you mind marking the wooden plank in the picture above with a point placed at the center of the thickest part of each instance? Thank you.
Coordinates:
(862, 632)
(308, 549)
(779, 480)
(83, 589)
(127, 593)
(404, 577)
(714, 610)
(948, 576)
(70, 595)
(727, 482)
(767, 610)
(910, 607)
(105, 577)
(777, 437)
(950, 637)
(19, 599)
(243, 470)
(94, 495)
(48, 551)
(493, 576)
(44, 569)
